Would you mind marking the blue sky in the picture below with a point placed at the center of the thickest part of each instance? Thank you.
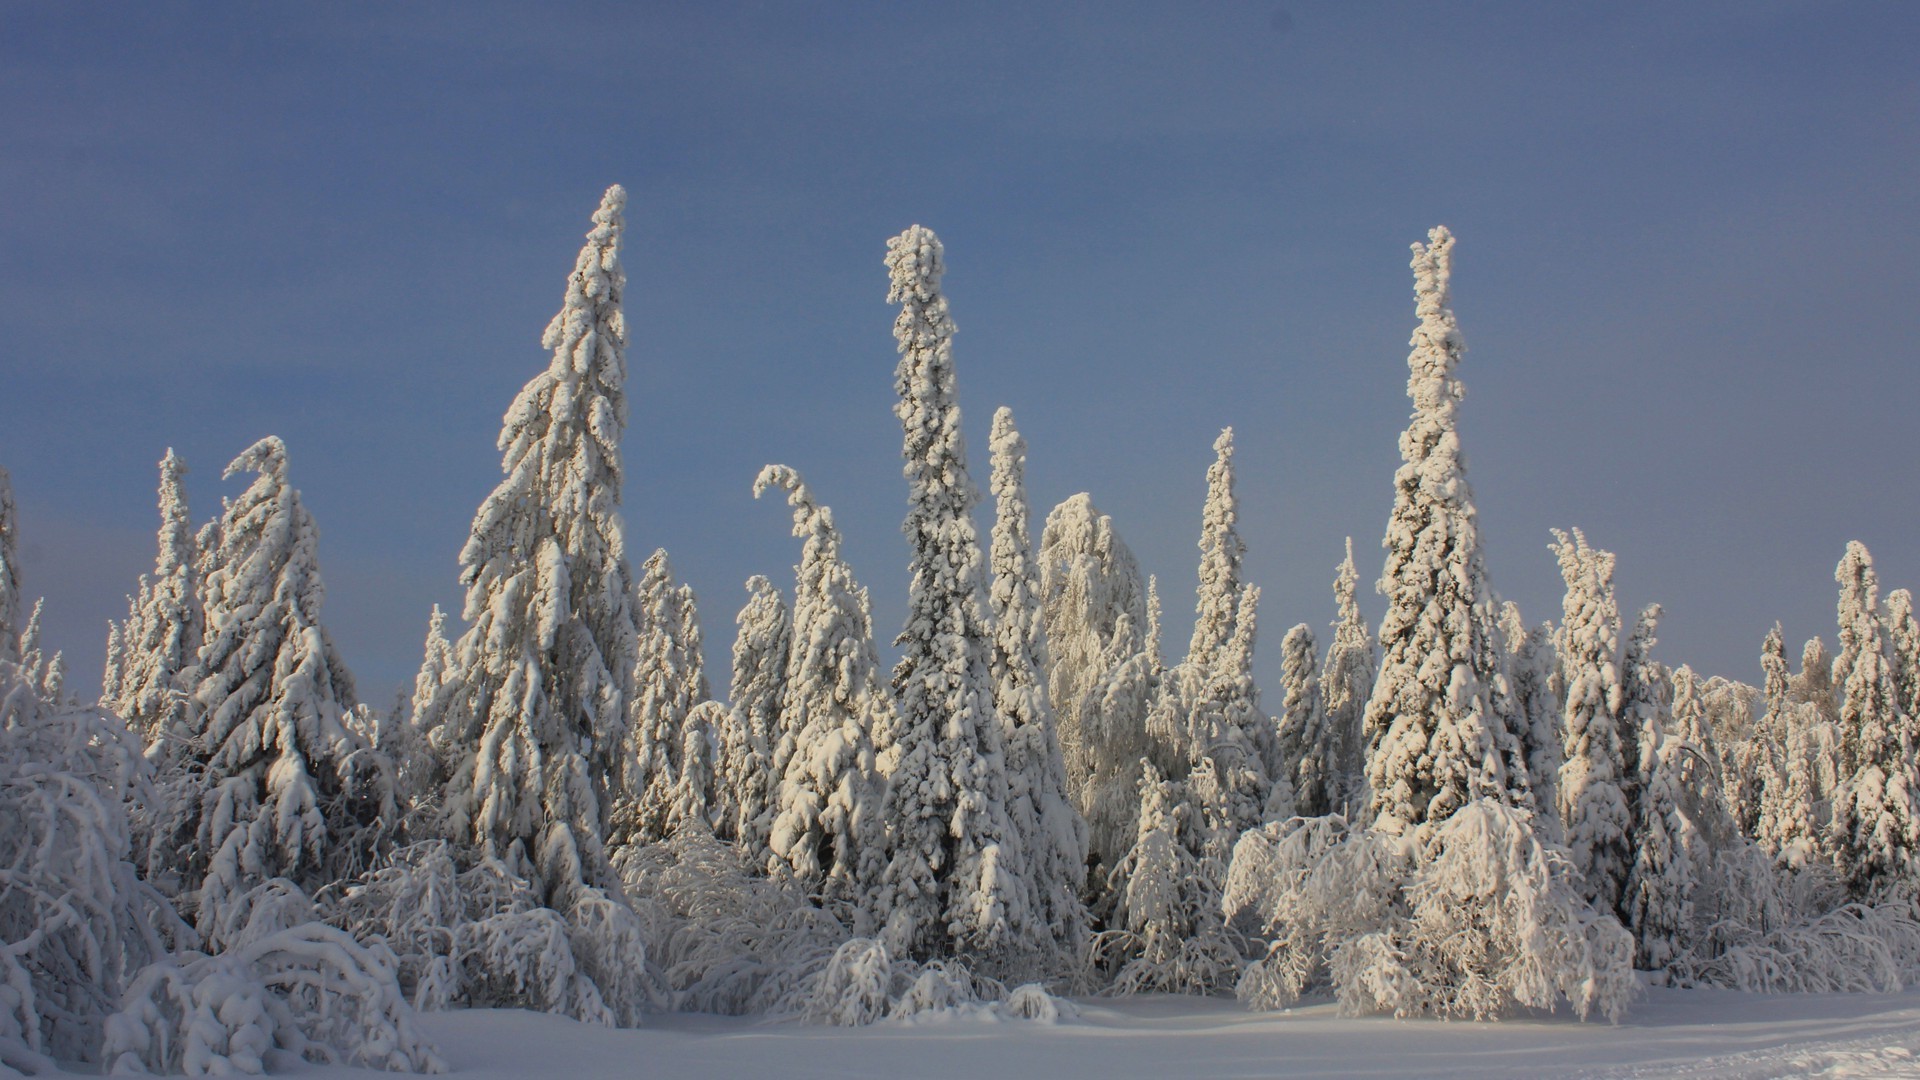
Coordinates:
(1684, 273)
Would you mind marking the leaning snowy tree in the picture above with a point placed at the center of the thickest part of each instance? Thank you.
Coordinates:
(1593, 789)
(536, 708)
(954, 882)
(1050, 830)
(288, 789)
(1440, 724)
(823, 824)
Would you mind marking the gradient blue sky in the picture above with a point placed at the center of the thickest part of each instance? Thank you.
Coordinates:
(1685, 273)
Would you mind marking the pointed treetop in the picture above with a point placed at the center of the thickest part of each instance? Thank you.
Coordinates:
(176, 530)
(1221, 551)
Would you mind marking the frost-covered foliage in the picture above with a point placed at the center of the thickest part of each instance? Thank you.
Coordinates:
(1593, 781)
(822, 822)
(1050, 831)
(743, 774)
(1473, 916)
(1440, 723)
(306, 989)
(484, 937)
(1646, 698)
(9, 572)
(287, 788)
(1114, 721)
(1346, 679)
(1670, 845)
(75, 919)
(1166, 932)
(669, 679)
(1874, 830)
(1309, 745)
(953, 882)
(533, 717)
(160, 639)
(1217, 600)
(1093, 602)
(1533, 668)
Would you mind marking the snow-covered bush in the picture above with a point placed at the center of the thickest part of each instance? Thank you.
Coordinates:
(308, 989)
(1472, 916)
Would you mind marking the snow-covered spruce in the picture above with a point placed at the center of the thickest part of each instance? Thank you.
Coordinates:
(535, 711)
(160, 638)
(1875, 827)
(823, 823)
(9, 572)
(1050, 831)
(1440, 723)
(954, 882)
(743, 779)
(1309, 746)
(1592, 787)
(287, 789)
(1094, 604)
(531, 720)
(1114, 719)
(1533, 674)
(669, 679)
(1346, 678)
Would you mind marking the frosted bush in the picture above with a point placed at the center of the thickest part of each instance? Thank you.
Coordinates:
(1031, 1001)
(310, 990)
(1473, 916)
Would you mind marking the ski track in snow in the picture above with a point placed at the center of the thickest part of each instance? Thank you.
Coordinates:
(1693, 1033)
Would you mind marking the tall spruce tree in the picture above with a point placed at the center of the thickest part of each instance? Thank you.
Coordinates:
(160, 639)
(669, 679)
(536, 712)
(743, 775)
(953, 882)
(1531, 675)
(1592, 784)
(288, 789)
(823, 823)
(1440, 723)
(1875, 826)
(1051, 833)
(1346, 678)
(1308, 743)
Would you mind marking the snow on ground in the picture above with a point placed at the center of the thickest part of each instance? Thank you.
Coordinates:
(1693, 1033)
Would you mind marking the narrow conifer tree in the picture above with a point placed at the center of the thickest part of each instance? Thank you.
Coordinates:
(1875, 825)
(953, 883)
(669, 679)
(288, 789)
(160, 639)
(536, 712)
(1592, 789)
(744, 774)
(1346, 678)
(823, 817)
(1531, 675)
(1440, 724)
(1051, 833)
(1309, 744)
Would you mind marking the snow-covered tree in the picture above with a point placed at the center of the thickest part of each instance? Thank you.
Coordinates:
(743, 776)
(1594, 803)
(669, 679)
(1646, 697)
(953, 882)
(1217, 600)
(1440, 723)
(823, 825)
(1233, 734)
(1875, 826)
(9, 572)
(1532, 667)
(1903, 641)
(160, 638)
(1051, 833)
(1346, 678)
(536, 713)
(1115, 723)
(1669, 848)
(1309, 744)
(1093, 602)
(289, 790)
